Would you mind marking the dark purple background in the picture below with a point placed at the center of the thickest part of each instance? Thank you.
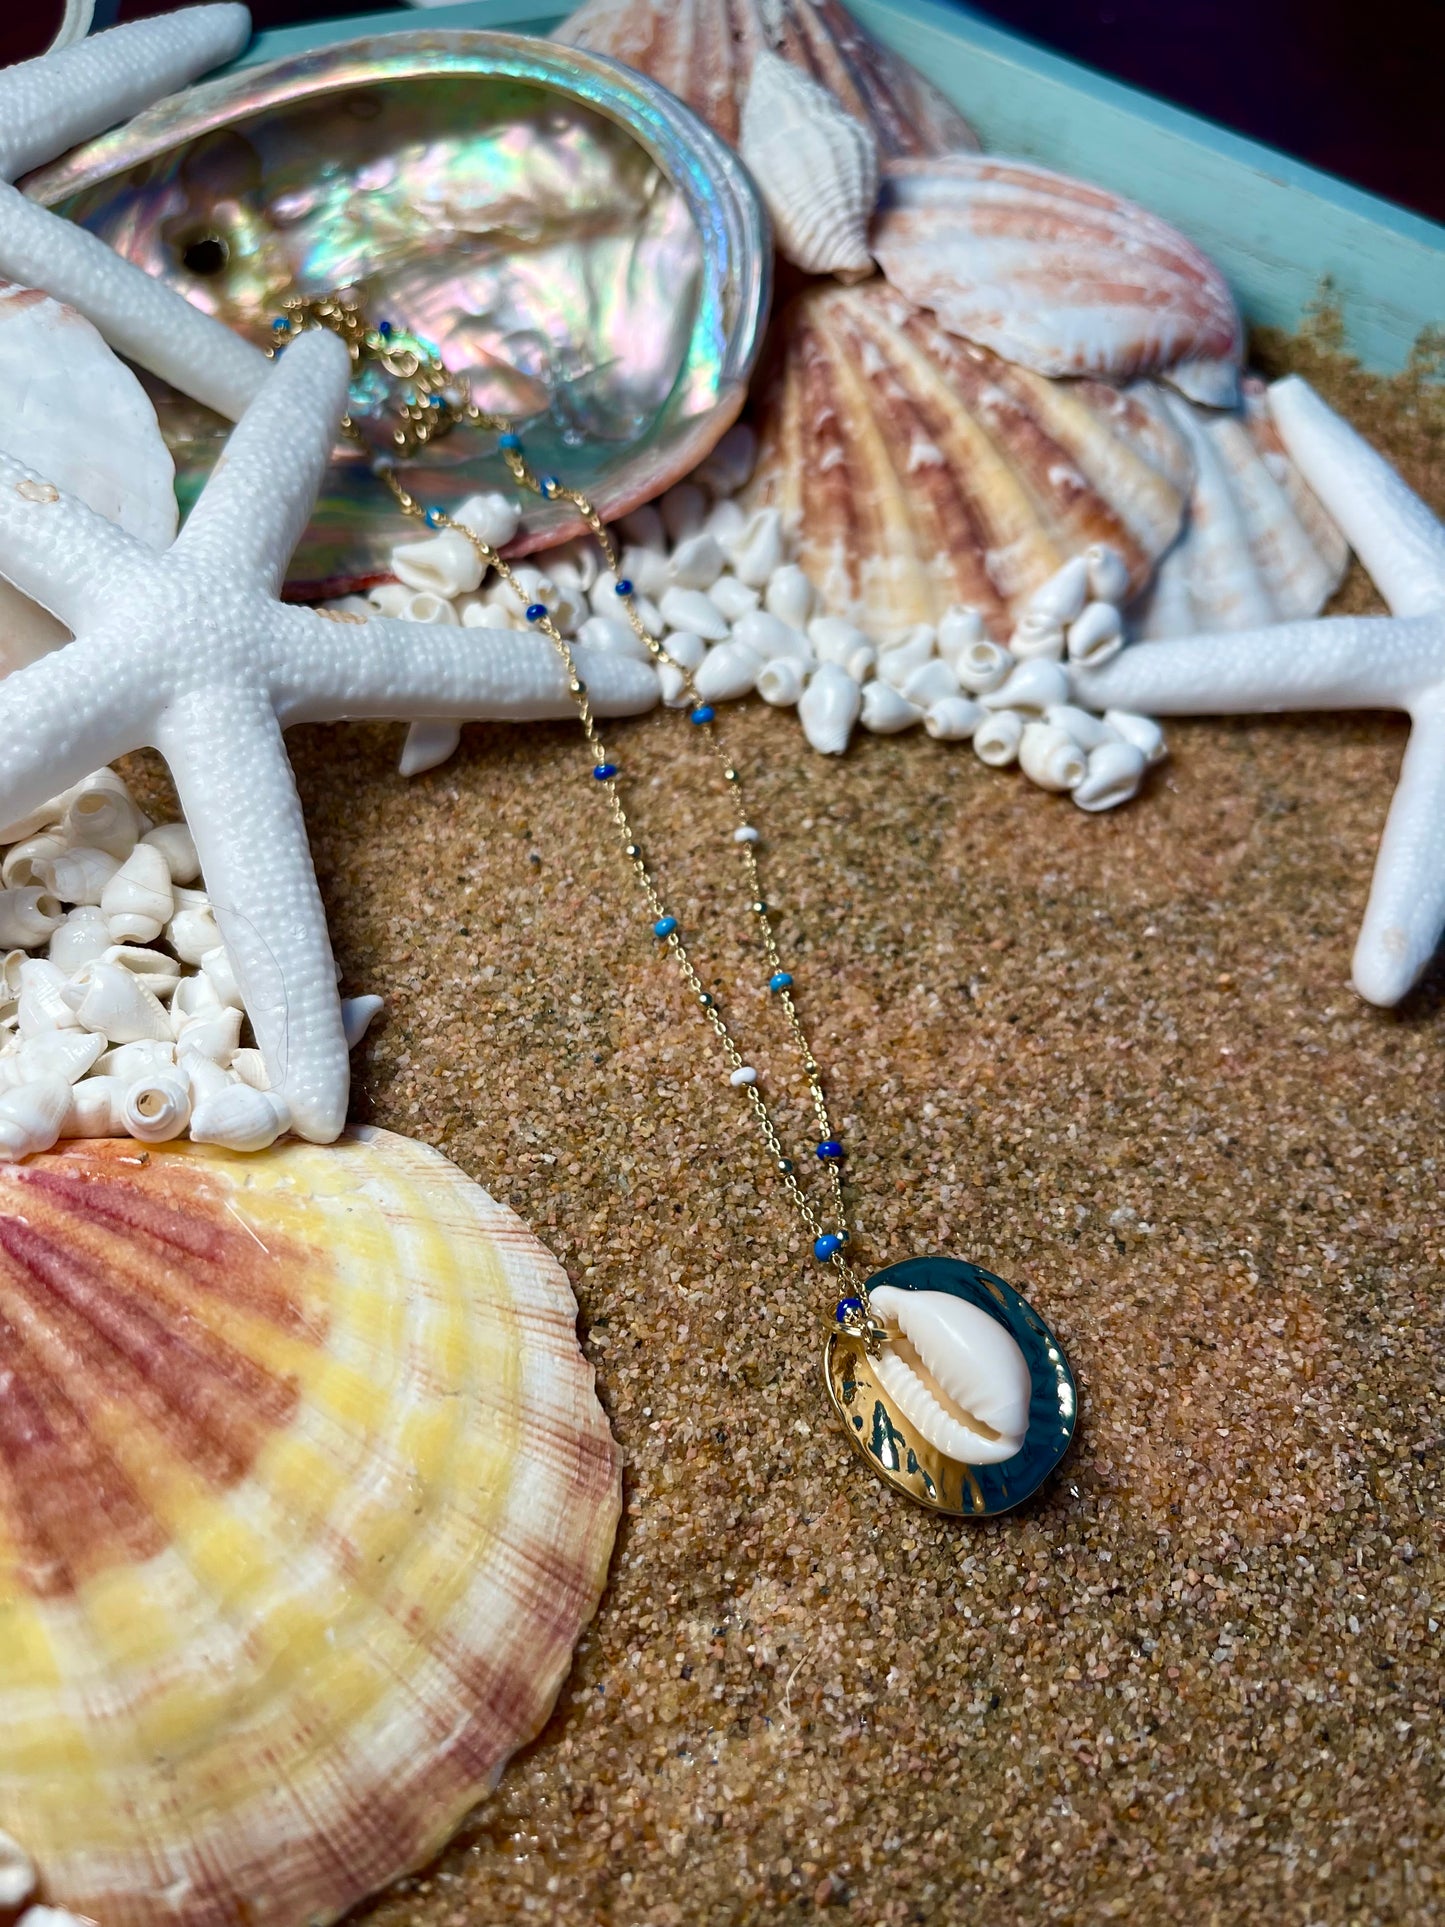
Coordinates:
(1355, 86)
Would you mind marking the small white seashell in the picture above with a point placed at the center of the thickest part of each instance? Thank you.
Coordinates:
(602, 597)
(29, 915)
(691, 609)
(746, 834)
(996, 740)
(84, 935)
(828, 708)
(685, 649)
(250, 1067)
(159, 972)
(731, 463)
(43, 1005)
(191, 996)
(57, 1053)
(1061, 599)
(79, 876)
(725, 520)
(444, 565)
(757, 549)
(696, 562)
(158, 1108)
(1032, 687)
(789, 595)
(982, 665)
(773, 638)
(17, 1873)
(493, 516)
(1115, 771)
(240, 1118)
(673, 684)
(139, 900)
(206, 1078)
(896, 665)
(127, 1062)
(744, 1074)
(210, 1033)
(95, 1108)
(427, 744)
(727, 672)
(835, 640)
(955, 1373)
(646, 569)
(389, 598)
(1037, 638)
(575, 564)
(861, 664)
(1050, 757)
(1108, 574)
(176, 845)
(815, 166)
(18, 871)
(643, 527)
(357, 1017)
(31, 1117)
(684, 510)
(958, 629)
(953, 719)
(217, 966)
(780, 682)
(648, 614)
(613, 636)
(929, 683)
(1087, 730)
(1142, 731)
(424, 605)
(477, 613)
(192, 932)
(108, 999)
(735, 599)
(887, 710)
(102, 819)
(1097, 635)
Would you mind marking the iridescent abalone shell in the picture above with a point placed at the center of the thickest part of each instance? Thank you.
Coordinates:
(574, 241)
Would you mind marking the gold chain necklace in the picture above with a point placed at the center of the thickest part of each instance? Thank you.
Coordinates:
(947, 1381)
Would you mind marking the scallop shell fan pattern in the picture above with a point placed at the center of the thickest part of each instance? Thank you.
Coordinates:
(915, 471)
(703, 51)
(305, 1495)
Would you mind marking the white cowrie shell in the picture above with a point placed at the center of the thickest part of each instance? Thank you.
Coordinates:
(727, 672)
(443, 565)
(95, 1108)
(139, 899)
(781, 682)
(955, 1373)
(887, 710)
(789, 595)
(828, 708)
(929, 683)
(757, 549)
(18, 869)
(158, 1108)
(1097, 635)
(691, 609)
(953, 719)
(696, 562)
(28, 916)
(1061, 599)
(175, 844)
(685, 649)
(1108, 575)
(731, 463)
(240, 1118)
(996, 740)
(108, 999)
(1031, 688)
(1050, 757)
(1116, 769)
(684, 510)
(1142, 731)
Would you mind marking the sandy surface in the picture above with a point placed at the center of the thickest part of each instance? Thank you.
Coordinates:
(1117, 1060)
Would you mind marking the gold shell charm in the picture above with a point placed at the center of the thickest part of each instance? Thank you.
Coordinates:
(305, 1495)
(966, 1403)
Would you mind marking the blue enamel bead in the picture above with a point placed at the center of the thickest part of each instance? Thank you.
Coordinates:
(664, 926)
(433, 518)
(824, 1247)
(704, 713)
(780, 980)
(383, 328)
(549, 485)
(623, 587)
(603, 770)
(280, 325)
(830, 1149)
(848, 1308)
(510, 440)
(536, 611)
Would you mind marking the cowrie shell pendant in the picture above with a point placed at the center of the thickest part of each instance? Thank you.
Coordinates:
(967, 1403)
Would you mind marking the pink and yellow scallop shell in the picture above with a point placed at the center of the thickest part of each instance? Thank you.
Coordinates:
(305, 1495)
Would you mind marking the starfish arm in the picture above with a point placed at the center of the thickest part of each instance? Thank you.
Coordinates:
(259, 499)
(1337, 662)
(50, 103)
(61, 718)
(234, 780)
(138, 315)
(1406, 912)
(1400, 542)
(56, 550)
(410, 671)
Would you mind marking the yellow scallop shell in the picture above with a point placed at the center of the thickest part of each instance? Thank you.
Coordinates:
(305, 1494)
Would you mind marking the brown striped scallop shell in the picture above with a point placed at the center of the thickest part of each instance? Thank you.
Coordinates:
(703, 50)
(305, 1495)
(915, 471)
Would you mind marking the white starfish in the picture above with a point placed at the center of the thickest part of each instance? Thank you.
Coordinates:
(188, 649)
(46, 106)
(1339, 662)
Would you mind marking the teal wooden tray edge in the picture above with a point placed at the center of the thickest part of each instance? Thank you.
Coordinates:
(1282, 232)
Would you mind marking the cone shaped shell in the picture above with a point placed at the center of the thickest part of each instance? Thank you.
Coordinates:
(1064, 277)
(1258, 547)
(305, 1494)
(703, 50)
(915, 471)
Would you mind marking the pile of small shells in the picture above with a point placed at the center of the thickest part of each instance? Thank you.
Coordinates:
(119, 1011)
(715, 583)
